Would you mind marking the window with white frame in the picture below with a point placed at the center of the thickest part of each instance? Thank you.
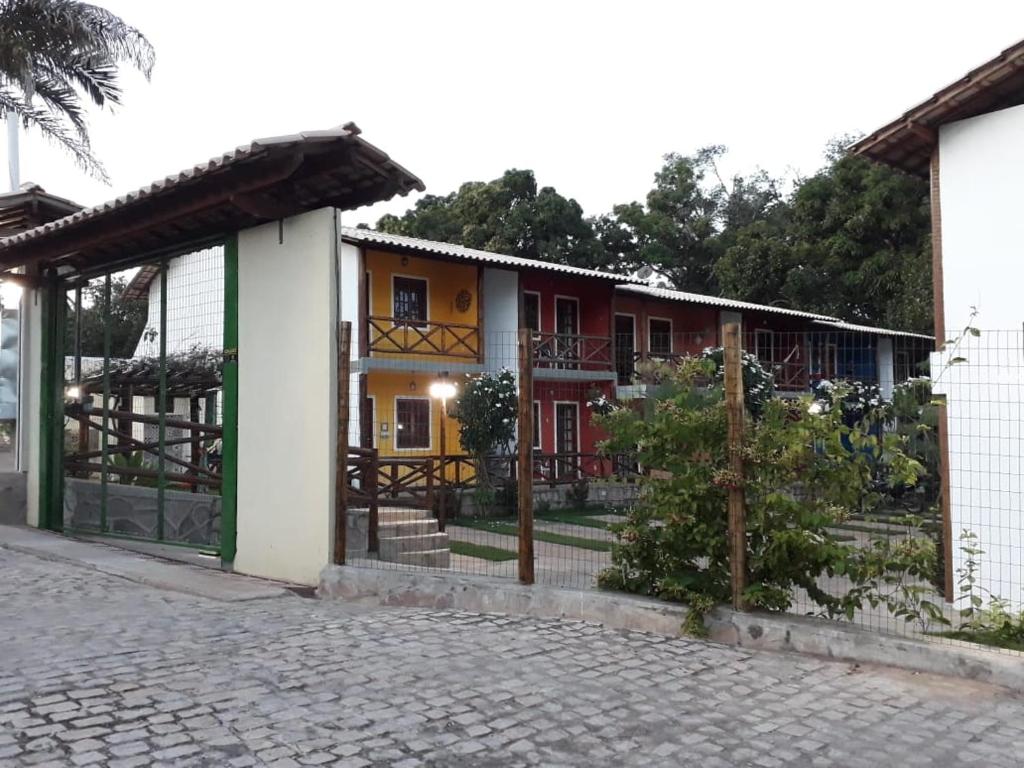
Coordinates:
(409, 299)
(412, 422)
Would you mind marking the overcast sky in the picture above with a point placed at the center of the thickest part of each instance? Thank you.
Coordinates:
(588, 94)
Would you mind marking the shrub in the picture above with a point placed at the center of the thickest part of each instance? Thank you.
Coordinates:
(758, 382)
(800, 478)
(578, 493)
(486, 410)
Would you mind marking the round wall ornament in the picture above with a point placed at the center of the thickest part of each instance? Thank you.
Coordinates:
(463, 300)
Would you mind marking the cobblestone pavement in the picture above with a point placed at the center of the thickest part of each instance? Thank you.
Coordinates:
(95, 670)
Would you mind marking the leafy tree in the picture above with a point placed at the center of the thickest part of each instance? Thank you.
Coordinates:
(688, 220)
(127, 320)
(852, 241)
(55, 52)
(507, 215)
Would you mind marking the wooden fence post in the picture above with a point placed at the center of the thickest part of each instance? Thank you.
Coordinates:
(373, 541)
(341, 459)
(945, 507)
(524, 450)
(737, 511)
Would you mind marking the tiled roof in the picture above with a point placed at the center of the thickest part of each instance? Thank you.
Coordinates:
(262, 181)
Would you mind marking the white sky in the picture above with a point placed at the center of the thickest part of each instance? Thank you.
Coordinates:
(588, 94)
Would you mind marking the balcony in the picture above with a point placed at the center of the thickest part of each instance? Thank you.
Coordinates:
(395, 336)
(572, 352)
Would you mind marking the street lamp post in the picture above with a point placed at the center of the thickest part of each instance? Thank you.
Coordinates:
(442, 390)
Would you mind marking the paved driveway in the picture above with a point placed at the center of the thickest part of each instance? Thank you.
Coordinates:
(97, 670)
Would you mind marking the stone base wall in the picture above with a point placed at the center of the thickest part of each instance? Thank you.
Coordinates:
(192, 518)
(614, 494)
(13, 500)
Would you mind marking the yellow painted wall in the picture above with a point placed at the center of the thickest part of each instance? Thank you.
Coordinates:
(444, 281)
(384, 387)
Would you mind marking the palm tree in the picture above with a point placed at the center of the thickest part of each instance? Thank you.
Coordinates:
(56, 53)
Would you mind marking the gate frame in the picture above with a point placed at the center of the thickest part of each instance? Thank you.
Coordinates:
(51, 423)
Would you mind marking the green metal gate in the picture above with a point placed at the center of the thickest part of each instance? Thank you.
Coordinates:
(139, 401)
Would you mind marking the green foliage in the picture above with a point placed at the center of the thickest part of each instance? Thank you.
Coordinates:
(127, 320)
(578, 493)
(507, 215)
(486, 409)
(58, 55)
(687, 221)
(133, 460)
(985, 618)
(758, 382)
(805, 470)
(915, 418)
(853, 240)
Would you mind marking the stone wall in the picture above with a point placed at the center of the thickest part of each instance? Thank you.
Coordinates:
(193, 518)
(12, 498)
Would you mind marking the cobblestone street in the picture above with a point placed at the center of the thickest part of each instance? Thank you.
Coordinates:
(97, 670)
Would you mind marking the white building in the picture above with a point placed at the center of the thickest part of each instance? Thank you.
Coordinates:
(968, 140)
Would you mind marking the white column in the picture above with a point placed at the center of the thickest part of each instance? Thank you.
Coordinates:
(30, 365)
(501, 319)
(287, 414)
(886, 367)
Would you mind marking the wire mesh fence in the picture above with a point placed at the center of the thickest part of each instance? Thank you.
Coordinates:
(143, 398)
(427, 491)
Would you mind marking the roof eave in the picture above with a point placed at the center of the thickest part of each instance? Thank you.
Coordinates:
(907, 142)
(269, 180)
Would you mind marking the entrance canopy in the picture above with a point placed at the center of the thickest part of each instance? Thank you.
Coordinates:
(270, 179)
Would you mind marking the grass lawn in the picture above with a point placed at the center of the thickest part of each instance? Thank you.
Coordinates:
(482, 551)
(506, 528)
(573, 517)
(982, 638)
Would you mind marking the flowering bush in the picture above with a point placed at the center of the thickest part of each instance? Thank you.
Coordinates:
(857, 401)
(758, 382)
(487, 410)
(599, 402)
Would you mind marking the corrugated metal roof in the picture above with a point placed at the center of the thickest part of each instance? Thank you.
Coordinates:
(717, 301)
(845, 326)
(374, 237)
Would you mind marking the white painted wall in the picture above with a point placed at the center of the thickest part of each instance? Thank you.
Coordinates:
(350, 263)
(195, 305)
(885, 361)
(501, 319)
(981, 163)
(28, 417)
(286, 399)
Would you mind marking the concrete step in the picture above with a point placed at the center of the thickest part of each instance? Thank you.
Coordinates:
(401, 514)
(430, 558)
(406, 528)
(391, 548)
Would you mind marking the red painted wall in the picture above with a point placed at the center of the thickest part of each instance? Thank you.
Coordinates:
(694, 326)
(550, 392)
(594, 294)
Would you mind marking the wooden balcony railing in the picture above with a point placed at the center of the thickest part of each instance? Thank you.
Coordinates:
(626, 362)
(572, 352)
(389, 335)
